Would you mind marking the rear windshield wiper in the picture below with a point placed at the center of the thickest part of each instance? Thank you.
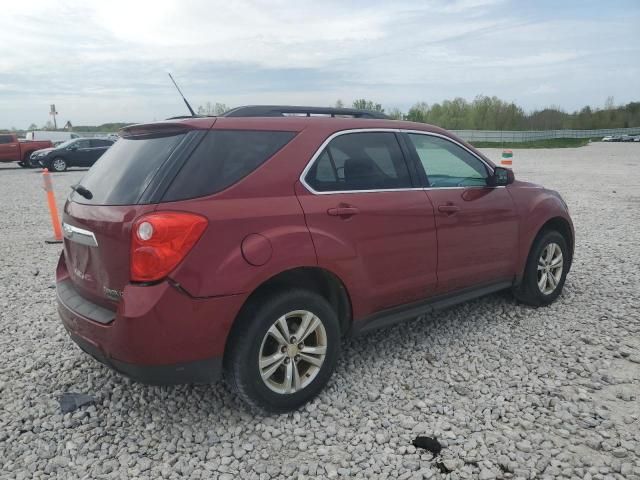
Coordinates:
(82, 191)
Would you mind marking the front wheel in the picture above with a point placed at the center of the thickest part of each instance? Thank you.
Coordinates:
(59, 164)
(283, 350)
(546, 270)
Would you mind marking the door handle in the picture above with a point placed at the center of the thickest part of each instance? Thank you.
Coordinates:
(344, 211)
(449, 209)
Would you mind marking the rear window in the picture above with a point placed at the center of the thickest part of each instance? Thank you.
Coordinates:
(223, 158)
(123, 173)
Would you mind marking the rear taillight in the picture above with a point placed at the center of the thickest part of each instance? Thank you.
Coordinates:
(159, 242)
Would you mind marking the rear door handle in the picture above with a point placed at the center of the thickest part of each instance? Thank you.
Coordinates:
(343, 211)
(449, 209)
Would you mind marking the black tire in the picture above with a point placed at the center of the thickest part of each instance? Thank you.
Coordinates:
(529, 292)
(58, 164)
(27, 161)
(241, 368)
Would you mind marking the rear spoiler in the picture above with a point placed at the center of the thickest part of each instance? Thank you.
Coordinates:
(165, 129)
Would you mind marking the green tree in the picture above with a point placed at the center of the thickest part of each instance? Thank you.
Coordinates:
(418, 113)
(363, 104)
(212, 109)
(396, 114)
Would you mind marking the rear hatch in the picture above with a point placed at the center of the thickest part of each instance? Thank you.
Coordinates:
(125, 183)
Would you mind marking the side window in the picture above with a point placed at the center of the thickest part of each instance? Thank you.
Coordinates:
(82, 144)
(360, 161)
(223, 158)
(6, 139)
(100, 143)
(447, 164)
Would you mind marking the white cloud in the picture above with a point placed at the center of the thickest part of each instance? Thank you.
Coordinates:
(107, 61)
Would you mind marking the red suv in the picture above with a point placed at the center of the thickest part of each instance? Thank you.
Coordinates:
(248, 245)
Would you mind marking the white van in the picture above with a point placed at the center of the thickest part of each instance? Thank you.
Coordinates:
(53, 137)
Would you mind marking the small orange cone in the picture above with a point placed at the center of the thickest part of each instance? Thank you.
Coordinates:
(507, 158)
(53, 209)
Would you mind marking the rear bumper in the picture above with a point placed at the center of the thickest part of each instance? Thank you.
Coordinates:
(157, 334)
(201, 371)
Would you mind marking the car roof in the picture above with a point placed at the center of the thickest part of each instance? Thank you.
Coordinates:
(289, 123)
(293, 119)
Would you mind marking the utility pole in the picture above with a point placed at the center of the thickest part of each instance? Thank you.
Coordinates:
(53, 113)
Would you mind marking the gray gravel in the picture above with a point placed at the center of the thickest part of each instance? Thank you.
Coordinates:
(512, 392)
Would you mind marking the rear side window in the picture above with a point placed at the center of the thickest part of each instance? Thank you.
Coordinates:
(101, 143)
(360, 161)
(124, 171)
(6, 139)
(223, 158)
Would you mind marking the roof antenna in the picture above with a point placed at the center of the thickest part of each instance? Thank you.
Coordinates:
(193, 114)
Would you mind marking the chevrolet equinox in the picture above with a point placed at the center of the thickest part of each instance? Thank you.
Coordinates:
(245, 246)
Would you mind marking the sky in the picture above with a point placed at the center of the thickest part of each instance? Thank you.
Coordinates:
(107, 61)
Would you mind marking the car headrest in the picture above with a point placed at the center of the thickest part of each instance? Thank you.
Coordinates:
(360, 172)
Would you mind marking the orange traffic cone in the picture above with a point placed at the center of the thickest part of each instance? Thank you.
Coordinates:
(507, 158)
(53, 209)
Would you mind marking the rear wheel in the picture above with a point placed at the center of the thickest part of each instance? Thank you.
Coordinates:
(27, 161)
(59, 164)
(283, 350)
(546, 270)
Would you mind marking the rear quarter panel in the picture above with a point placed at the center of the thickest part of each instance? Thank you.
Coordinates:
(263, 204)
(27, 148)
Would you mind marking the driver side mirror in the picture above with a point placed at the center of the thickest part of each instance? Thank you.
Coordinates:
(72, 147)
(501, 177)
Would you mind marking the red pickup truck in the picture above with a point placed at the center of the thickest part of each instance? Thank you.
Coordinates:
(12, 149)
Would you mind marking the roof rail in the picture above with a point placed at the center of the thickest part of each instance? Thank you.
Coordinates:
(284, 110)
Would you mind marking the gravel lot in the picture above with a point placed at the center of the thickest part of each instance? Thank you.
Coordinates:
(512, 392)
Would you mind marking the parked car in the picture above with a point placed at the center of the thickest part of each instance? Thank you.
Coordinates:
(626, 138)
(612, 138)
(636, 138)
(248, 245)
(81, 152)
(54, 137)
(14, 150)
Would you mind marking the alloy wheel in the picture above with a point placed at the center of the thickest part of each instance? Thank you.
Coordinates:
(292, 352)
(550, 265)
(59, 165)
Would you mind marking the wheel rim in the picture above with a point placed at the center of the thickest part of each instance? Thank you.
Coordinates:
(550, 267)
(59, 164)
(292, 352)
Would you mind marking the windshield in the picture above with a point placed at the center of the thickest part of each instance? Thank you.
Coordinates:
(65, 144)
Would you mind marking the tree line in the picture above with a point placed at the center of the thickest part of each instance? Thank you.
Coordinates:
(482, 113)
(492, 113)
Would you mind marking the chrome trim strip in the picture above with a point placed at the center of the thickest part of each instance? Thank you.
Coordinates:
(79, 235)
(393, 130)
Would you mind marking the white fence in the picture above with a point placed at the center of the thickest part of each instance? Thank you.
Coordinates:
(529, 135)
(95, 134)
(501, 135)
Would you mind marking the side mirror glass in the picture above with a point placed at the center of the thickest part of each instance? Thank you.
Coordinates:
(501, 177)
